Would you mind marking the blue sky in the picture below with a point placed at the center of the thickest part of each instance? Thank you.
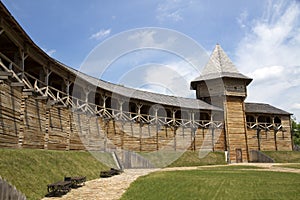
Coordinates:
(261, 37)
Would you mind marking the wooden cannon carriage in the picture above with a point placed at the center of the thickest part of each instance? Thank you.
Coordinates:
(65, 186)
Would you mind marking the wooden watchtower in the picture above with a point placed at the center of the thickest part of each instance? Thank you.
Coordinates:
(222, 85)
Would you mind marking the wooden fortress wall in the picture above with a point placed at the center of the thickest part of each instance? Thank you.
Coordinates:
(271, 140)
(28, 122)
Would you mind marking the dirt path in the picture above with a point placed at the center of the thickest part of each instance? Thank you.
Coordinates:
(104, 188)
(114, 187)
(275, 167)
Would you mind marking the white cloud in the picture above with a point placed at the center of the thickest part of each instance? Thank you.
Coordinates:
(50, 52)
(264, 73)
(296, 106)
(170, 77)
(145, 38)
(174, 77)
(242, 19)
(269, 53)
(171, 10)
(101, 34)
(273, 40)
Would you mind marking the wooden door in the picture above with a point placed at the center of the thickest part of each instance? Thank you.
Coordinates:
(239, 157)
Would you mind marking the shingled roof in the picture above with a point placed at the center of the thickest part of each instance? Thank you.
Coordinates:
(264, 109)
(175, 101)
(220, 66)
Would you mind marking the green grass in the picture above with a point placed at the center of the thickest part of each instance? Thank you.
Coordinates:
(191, 158)
(284, 156)
(31, 170)
(183, 158)
(215, 184)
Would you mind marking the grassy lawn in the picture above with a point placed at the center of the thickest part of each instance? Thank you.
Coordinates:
(162, 159)
(284, 156)
(215, 184)
(31, 170)
(191, 158)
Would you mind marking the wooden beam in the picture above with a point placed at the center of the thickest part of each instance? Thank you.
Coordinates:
(3, 73)
(41, 97)
(258, 138)
(17, 84)
(12, 35)
(275, 139)
(48, 73)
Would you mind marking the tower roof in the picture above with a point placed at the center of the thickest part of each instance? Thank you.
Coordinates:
(219, 65)
(219, 62)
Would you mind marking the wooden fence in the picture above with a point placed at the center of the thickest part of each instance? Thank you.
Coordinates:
(9, 192)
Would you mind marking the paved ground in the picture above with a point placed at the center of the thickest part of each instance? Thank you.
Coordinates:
(113, 188)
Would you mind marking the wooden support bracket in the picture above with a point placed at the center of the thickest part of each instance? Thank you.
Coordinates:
(41, 97)
(4, 75)
(17, 84)
(28, 90)
(27, 93)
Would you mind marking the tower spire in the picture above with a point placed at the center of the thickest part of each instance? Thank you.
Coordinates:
(219, 62)
(220, 65)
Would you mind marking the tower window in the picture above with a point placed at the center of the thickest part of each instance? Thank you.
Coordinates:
(250, 118)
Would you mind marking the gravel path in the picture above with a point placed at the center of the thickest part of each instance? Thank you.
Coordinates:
(114, 187)
(104, 188)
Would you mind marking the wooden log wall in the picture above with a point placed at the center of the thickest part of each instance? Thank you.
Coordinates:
(59, 128)
(29, 122)
(127, 136)
(284, 138)
(267, 140)
(77, 131)
(34, 122)
(208, 139)
(235, 127)
(252, 139)
(10, 106)
(271, 140)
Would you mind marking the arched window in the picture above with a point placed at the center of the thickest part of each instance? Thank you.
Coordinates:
(57, 82)
(145, 110)
(264, 119)
(162, 112)
(277, 120)
(169, 113)
(204, 116)
(185, 115)
(132, 107)
(250, 118)
(178, 114)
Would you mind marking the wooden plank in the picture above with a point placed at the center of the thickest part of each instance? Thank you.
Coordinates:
(17, 84)
(4, 73)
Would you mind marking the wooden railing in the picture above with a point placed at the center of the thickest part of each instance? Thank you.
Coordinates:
(264, 126)
(57, 97)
